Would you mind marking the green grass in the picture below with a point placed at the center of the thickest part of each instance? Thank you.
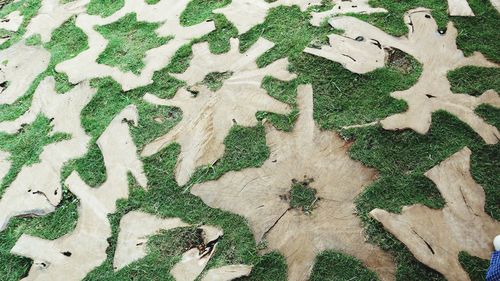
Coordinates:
(67, 41)
(175, 241)
(34, 40)
(402, 158)
(28, 9)
(489, 113)
(479, 33)
(474, 80)
(215, 80)
(128, 40)
(104, 8)
(303, 196)
(52, 226)
(166, 199)
(26, 146)
(345, 268)
(341, 98)
(476, 267)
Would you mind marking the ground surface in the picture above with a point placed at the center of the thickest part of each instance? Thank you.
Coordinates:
(341, 99)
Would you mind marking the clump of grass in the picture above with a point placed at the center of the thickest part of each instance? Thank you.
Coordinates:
(104, 8)
(476, 267)
(245, 147)
(5, 34)
(176, 241)
(215, 80)
(335, 266)
(303, 196)
(34, 40)
(128, 41)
